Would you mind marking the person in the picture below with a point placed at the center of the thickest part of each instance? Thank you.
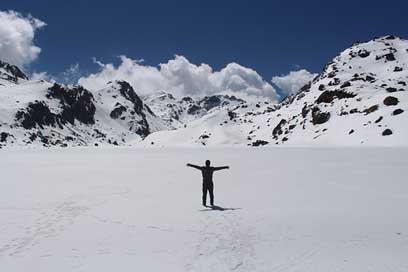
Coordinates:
(208, 185)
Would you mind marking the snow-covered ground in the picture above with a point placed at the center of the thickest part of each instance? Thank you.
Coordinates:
(132, 209)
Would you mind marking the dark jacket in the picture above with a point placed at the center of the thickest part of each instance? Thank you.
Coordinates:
(207, 172)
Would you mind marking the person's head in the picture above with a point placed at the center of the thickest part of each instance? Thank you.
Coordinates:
(207, 163)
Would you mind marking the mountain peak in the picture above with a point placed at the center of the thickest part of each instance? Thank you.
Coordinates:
(11, 73)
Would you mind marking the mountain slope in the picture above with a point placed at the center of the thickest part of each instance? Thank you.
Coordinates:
(41, 113)
(360, 98)
(10, 74)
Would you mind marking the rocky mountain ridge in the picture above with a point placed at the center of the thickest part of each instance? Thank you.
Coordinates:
(360, 98)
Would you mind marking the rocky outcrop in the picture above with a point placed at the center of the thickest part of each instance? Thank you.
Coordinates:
(11, 73)
(77, 103)
(37, 114)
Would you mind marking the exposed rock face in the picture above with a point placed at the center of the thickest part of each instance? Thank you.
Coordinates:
(387, 132)
(55, 115)
(77, 103)
(11, 73)
(397, 111)
(178, 112)
(391, 101)
(352, 84)
(260, 143)
(278, 130)
(118, 111)
(129, 93)
(319, 117)
(37, 114)
(4, 136)
(210, 102)
(329, 96)
(126, 107)
(359, 97)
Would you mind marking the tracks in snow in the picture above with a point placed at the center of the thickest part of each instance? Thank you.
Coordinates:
(224, 243)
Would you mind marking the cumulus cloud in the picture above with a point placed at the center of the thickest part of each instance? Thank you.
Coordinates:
(181, 77)
(292, 82)
(17, 38)
(69, 76)
(41, 76)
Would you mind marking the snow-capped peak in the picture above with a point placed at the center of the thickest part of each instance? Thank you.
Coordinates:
(10, 74)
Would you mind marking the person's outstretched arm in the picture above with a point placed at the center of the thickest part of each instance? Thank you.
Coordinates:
(194, 166)
(220, 168)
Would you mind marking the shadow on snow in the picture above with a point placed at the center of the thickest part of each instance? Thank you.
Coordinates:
(218, 208)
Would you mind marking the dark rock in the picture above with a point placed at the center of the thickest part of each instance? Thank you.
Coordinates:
(117, 111)
(345, 84)
(4, 136)
(363, 53)
(278, 129)
(129, 93)
(378, 120)
(397, 69)
(321, 87)
(305, 88)
(37, 113)
(13, 72)
(334, 82)
(193, 109)
(371, 109)
(390, 101)
(259, 143)
(187, 99)
(390, 57)
(77, 103)
(397, 111)
(232, 115)
(305, 111)
(387, 132)
(370, 79)
(204, 136)
(143, 128)
(391, 89)
(329, 96)
(351, 131)
(210, 102)
(331, 74)
(319, 117)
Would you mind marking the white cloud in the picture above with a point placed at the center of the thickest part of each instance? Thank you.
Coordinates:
(292, 82)
(41, 76)
(181, 77)
(69, 76)
(17, 38)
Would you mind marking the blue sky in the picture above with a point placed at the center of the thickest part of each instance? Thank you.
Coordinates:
(271, 37)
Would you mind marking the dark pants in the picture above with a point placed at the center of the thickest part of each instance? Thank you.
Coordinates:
(210, 188)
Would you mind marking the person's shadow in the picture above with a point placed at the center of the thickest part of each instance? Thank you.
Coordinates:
(218, 208)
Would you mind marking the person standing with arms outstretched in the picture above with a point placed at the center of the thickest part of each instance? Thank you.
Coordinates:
(208, 185)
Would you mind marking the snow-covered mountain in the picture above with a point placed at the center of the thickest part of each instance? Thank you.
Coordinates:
(41, 113)
(360, 98)
(10, 74)
(179, 112)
